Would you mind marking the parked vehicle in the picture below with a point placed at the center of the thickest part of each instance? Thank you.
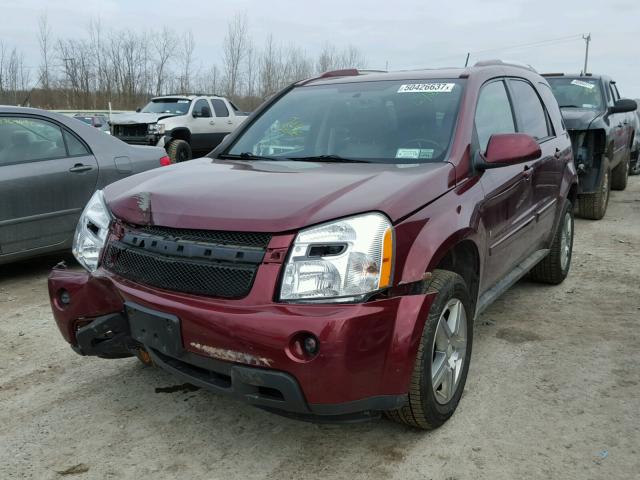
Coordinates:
(329, 258)
(50, 165)
(601, 126)
(182, 124)
(634, 167)
(97, 121)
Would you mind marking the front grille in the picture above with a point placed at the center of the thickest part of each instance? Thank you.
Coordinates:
(199, 262)
(134, 130)
(246, 239)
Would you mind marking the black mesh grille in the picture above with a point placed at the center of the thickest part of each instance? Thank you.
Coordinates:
(179, 274)
(247, 239)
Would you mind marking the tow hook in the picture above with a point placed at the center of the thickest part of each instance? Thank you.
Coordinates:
(144, 357)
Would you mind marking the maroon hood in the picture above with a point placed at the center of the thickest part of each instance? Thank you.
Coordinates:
(265, 196)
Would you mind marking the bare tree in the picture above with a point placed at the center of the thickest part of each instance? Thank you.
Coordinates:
(44, 40)
(164, 45)
(234, 46)
(186, 61)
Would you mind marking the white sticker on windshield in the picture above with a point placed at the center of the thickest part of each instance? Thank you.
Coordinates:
(414, 153)
(427, 87)
(184, 101)
(582, 84)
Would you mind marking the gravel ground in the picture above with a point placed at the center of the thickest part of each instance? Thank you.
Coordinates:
(553, 392)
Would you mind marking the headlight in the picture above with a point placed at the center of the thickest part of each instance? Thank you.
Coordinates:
(156, 128)
(91, 232)
(340, 261)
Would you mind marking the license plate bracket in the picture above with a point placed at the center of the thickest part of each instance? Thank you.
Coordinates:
(157, 330)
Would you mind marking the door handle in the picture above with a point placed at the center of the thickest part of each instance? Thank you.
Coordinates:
(211, 122)
(558, 153)
(79, 168)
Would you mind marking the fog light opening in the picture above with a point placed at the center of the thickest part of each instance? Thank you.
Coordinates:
(303, 347)
(64, 297)
(311, 345)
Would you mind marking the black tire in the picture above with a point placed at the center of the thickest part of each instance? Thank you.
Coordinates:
(423, 410)
(554, 268)
(620, 174)
(594, 205)
(179, 151)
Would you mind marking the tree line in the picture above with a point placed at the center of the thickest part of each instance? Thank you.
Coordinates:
(126, 67)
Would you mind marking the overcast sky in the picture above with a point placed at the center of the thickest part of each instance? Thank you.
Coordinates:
(406, 33)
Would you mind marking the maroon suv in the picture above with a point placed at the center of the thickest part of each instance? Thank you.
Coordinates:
(328, 259)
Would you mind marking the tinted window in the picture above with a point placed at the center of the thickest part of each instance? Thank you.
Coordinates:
(614, 87)
(28, 139)
(74, 146)
(220, 108)
(532, 118)
(202, 109)
(385, 122)
(493, 113)
(552, 106)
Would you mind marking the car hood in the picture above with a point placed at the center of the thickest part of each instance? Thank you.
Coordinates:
(272, 196)
(579, 118)
(133, 118)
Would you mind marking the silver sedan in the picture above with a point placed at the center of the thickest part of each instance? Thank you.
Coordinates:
(50, 165)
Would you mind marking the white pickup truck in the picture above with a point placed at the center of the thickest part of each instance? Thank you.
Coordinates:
(183, 124)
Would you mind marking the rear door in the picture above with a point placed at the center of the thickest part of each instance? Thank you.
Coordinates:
(544, 174)
(47, 175)
(507, 209)
(226, 121)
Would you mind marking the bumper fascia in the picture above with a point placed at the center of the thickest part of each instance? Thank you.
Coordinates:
(365, 362)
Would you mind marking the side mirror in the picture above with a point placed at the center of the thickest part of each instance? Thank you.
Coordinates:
(624, 105)
(195, 114)
(509, 149)
(138, 110)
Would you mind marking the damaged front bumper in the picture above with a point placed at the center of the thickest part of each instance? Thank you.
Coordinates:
(363, 367)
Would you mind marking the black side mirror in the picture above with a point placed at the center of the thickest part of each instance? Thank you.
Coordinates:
(624, 105)
(195, 114)
(138, 110)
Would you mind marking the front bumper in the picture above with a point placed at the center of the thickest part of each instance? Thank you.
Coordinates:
(366, 356)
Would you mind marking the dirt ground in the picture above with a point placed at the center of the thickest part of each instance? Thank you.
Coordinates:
(553, 393)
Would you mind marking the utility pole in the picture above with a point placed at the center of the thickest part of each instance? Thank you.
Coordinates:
(587, 39)
(466, 62)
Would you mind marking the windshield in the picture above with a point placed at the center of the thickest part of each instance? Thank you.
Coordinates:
(385, 122)
(177, 106)
(577, 92)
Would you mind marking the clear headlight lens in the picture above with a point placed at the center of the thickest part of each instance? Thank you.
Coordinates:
(156, 128)
(341, 260)
(91, 232)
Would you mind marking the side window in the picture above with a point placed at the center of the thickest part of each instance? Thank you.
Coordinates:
(201, 109)
(552, 108)
(532, 119)
(24, 139)
(615, 89)
(74, 146)
(493, 113)
(219, 107)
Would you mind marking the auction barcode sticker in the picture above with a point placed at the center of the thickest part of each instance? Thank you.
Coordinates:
(426, 87)
(582, 84)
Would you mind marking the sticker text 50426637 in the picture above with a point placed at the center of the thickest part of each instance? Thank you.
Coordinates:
(426, 88)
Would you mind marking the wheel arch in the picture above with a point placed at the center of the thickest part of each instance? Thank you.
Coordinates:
(181, 134)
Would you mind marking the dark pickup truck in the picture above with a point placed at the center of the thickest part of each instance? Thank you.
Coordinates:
(601, 127)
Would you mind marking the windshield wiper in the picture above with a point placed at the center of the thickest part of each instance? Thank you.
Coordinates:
(569, 106)
(250, 156)
(328, 158)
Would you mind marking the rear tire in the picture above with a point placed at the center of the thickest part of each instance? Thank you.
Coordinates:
(179, 151)
(445, 348)
(554, 268)
(620, 174)
(594, 205)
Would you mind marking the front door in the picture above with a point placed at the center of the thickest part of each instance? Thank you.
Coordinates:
(507, 209)
(47, 175)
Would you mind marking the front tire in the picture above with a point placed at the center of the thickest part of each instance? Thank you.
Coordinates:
(442, 362)
(593, 206)
(179, 151)
(554, 268)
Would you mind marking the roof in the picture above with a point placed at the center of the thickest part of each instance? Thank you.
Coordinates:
(188, 96)
(355, 76)
(592, 76)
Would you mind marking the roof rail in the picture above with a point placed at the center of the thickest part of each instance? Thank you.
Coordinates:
(188, 95)
(488, 63)
(345, 72)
